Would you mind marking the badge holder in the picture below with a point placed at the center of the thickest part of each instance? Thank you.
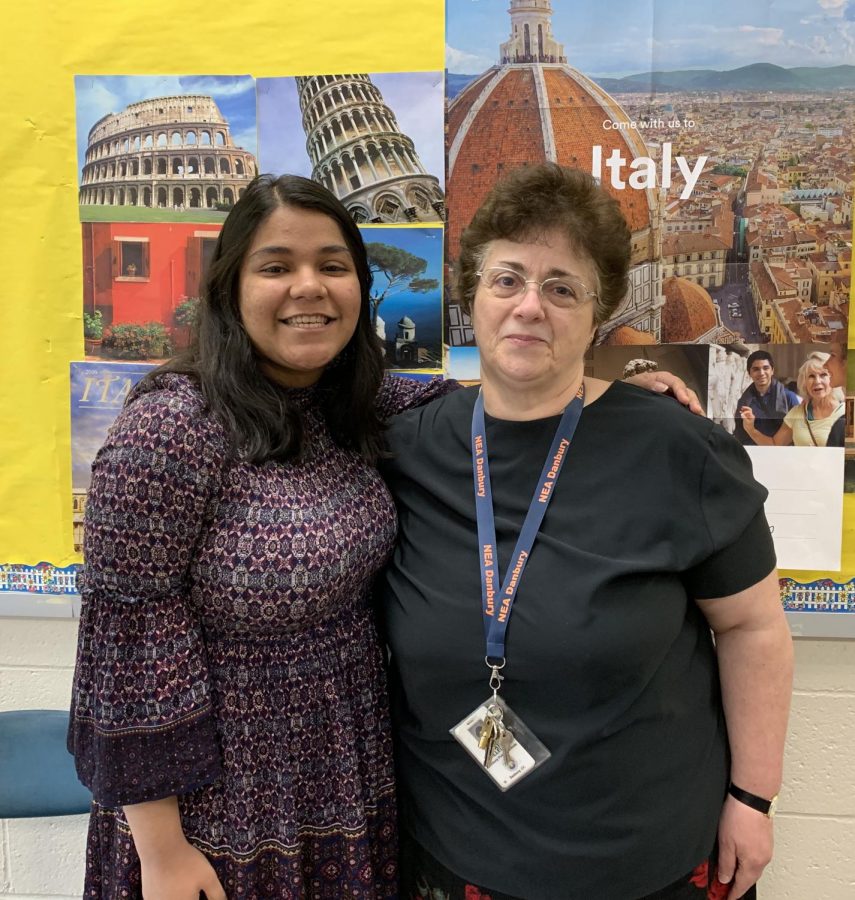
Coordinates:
(499, 741)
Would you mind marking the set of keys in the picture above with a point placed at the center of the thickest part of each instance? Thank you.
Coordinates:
(495, 734)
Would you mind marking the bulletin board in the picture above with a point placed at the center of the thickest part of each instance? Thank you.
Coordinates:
(42, 314)
(77, 70)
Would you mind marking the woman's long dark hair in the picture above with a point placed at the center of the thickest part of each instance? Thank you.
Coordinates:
(261, 421)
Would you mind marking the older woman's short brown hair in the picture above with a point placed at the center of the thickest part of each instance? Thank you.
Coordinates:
(535, 200)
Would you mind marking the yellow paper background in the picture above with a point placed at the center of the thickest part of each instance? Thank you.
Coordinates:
(46, 44)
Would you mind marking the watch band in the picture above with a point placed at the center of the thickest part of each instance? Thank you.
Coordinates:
(767, 807)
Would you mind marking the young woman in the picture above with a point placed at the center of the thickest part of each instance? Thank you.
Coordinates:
(229, 707)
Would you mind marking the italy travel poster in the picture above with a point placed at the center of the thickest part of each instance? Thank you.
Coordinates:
(98, 392)
(723, 130)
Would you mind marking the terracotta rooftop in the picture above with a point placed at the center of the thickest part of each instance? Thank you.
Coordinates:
(791, 312)
(758, 180)
(765, 211)
(763, 281)
(719, 181)
(789, 238)
(836, 320)
(691, 242)
(783, 280)
(822, 263)
(688, 312)
(624, 336)
(826, 325)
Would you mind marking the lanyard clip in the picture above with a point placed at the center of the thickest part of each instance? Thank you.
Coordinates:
(496, 678)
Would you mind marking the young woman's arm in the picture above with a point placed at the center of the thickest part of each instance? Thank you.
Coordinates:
(171, 867)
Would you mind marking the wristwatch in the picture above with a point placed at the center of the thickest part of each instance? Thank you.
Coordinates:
(767, 807)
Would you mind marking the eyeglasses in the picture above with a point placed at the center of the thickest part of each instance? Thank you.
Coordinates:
(565, 292)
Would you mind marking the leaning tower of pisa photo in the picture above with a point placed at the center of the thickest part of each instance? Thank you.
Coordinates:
(165, 153)
(359, 152)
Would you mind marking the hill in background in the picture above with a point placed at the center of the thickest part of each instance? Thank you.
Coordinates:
(756, 77)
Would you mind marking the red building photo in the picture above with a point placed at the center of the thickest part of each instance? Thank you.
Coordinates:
(141, 286)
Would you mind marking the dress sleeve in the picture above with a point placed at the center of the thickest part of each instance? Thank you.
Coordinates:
(141, 725)
(398, 394)
(739, 544)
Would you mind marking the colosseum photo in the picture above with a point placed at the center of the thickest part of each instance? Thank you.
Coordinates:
(168, 155)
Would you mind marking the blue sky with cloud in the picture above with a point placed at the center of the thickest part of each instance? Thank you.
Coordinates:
(98, 95)
(629, 36)
(416, 98)
(464, 363)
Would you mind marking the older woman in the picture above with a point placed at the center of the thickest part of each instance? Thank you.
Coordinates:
(812, 422)
(576, 733)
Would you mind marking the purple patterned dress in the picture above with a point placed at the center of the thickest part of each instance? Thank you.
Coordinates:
(227, 653)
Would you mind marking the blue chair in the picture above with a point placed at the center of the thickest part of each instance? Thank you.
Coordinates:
(37, 776)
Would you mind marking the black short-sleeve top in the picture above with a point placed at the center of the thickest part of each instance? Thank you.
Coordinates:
(609, 661)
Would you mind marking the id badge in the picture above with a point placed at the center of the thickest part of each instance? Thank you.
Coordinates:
(499, 742)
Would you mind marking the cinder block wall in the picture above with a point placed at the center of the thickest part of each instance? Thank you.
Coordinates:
(39, 858)
(815, 829)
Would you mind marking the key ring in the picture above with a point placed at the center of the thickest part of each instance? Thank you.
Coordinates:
(496, 713)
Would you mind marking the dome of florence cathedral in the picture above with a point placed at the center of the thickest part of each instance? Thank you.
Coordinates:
(532, 107)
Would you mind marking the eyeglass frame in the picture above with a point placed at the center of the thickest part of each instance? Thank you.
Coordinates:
(540, 284)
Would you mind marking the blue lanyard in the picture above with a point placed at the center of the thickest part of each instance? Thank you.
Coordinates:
(497, 606)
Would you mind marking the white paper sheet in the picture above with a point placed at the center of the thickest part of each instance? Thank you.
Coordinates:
(805, 503)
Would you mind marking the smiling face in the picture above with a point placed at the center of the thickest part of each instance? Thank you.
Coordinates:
(527, 343)
(761, 373)
(299, 298)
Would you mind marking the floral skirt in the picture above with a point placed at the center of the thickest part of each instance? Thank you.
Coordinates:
(424, 878)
